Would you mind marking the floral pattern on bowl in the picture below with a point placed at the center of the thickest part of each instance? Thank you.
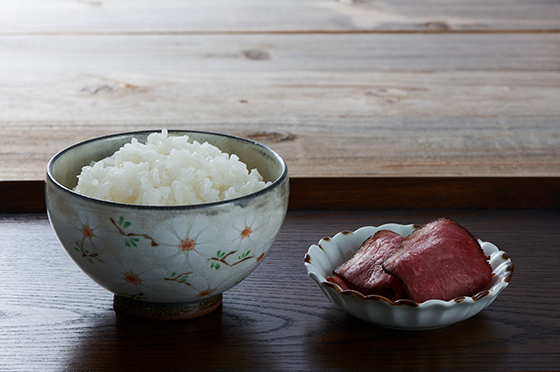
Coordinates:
(329, 253)
(167, 254)
(178, 259)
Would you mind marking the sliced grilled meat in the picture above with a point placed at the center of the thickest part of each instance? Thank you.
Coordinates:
(441, 260)
(364, 272)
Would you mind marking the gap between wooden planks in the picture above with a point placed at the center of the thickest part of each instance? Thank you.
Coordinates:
(276, 32)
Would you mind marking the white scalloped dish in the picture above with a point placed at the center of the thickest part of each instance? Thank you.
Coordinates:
(329, 253)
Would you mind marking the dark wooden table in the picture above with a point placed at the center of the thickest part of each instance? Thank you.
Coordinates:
(54, 318)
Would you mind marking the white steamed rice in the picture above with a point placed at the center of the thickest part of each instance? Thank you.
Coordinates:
(168, 170)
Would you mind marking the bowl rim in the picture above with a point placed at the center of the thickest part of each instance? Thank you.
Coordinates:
(274, 184)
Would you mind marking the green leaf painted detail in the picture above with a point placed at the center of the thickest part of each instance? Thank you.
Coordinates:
(244, 255)
(124, 223)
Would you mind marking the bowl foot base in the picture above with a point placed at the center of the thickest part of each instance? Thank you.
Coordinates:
(151, 310)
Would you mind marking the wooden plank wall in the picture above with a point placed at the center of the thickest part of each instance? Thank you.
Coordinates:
(351, 88)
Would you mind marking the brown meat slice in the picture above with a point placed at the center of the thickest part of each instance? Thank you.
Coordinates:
(364, 271)
(441, 260)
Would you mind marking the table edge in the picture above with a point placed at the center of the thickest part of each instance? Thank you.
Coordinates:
(367, 193)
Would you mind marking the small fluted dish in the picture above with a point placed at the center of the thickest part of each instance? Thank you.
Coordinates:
(329, 253)
(166, 262)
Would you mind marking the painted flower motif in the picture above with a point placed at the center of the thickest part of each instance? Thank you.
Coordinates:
(134, 277)
(87, 228)
(185, 242)
(200, 287)
(244, 230)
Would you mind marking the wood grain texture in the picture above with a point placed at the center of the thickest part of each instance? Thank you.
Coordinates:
(180, 56)
(332, 105)
(55, 318)
(347, 88)
(378, 148)
(105, 16)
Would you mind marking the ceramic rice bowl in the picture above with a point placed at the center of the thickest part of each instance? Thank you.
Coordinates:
(329, 253)
(168, 262)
